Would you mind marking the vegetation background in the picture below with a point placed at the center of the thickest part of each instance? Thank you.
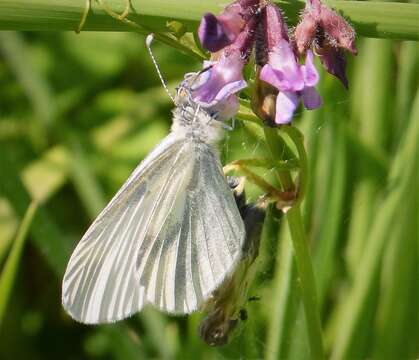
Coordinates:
(78, 112)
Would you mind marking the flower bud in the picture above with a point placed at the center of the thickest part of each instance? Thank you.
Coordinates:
(217, 32)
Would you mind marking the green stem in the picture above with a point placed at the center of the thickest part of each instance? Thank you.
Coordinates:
(298, 140)
(308, 285)
(300, 243)
(282, 165)
(278, 149)
(370, 18)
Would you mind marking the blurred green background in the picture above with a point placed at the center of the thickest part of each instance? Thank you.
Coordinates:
(78, 112)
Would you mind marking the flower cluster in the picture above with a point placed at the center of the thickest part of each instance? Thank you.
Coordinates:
(231, 37)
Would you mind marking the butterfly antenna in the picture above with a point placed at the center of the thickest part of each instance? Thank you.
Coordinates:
(148, 41)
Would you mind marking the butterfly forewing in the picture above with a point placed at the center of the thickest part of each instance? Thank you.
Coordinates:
(168, 237)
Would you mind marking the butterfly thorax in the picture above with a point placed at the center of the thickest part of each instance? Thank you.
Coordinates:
(197, 124)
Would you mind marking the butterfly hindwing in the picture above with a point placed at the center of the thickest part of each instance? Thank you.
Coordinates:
(168, 237)
(199, 241)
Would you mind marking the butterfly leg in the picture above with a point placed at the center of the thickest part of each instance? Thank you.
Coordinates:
(227, 127)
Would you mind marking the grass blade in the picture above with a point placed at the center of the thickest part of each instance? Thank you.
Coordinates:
(374, 124)
(406, 82)
(403, 178)
(8, 274)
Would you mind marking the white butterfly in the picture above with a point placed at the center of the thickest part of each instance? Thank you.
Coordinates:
(171, 234)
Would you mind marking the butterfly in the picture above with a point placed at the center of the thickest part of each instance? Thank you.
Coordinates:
(170, 235)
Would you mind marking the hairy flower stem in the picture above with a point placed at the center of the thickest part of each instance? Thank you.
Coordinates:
(301, 250)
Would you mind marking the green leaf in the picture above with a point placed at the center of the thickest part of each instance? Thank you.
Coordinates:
(45, 233)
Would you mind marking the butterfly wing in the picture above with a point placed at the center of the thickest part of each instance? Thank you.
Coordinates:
(181, 263)
(168, 237)
(100, 283)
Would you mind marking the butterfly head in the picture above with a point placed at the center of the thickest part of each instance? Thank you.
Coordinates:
(192, 118)
(191, 82)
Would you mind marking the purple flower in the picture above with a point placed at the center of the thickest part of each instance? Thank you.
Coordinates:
(221, 81)
(282, 69)
(293, 81)
(333, 60)
(217, 32)
(328, 33)
(224, 78)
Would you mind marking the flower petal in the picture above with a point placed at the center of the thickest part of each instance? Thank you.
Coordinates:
(310, 74)
(311, 98)
(273, 77)
(227, 108)
(212, 33)
(232, 20)
(275, 27)
(334, 62)
(284, 72)
(225, 78)
(286, 103)
(217, 32)
(230, 89)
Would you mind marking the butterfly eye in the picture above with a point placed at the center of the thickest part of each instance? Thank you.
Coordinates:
(214, 114)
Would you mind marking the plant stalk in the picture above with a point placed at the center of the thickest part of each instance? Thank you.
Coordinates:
(301, 250)
(370, 18)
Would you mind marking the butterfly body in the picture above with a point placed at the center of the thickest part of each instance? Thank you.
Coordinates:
(170, 235)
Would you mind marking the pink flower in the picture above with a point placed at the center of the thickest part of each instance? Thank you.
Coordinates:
(224, 78)
(294, 82)
(328, 33)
